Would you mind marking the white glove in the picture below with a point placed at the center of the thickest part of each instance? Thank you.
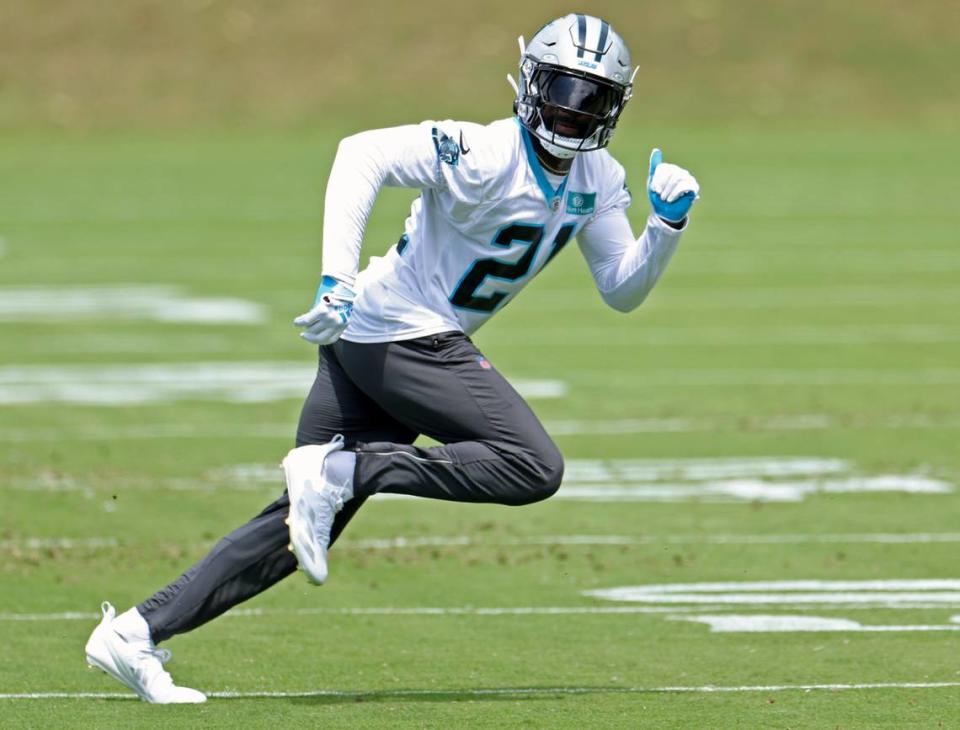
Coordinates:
(330, 315)
(672, 190)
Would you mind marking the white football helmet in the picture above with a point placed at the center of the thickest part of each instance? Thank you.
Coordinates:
(575, 79)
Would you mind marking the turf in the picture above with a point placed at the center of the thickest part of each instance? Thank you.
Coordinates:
(816, 285)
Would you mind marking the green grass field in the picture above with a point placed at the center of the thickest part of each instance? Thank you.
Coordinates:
(760, 519)
(805, 342)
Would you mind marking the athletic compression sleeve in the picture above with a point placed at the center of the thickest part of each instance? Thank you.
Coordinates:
(624, 269)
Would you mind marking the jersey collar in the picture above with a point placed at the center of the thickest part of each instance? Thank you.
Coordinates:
(553, 197)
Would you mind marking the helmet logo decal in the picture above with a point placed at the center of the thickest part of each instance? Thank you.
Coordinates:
(582, 33)
(601, 47)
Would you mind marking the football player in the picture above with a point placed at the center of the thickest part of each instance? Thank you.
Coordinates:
(497, 204)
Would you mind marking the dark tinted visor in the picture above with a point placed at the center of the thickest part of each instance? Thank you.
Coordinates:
(580, 94)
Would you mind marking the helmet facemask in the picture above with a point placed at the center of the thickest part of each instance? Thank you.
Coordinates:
(569, 111)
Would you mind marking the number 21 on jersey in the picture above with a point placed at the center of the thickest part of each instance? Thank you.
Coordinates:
(466, 296)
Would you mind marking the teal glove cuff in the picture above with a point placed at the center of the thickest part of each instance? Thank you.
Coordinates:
(329, 285)
(672, 212)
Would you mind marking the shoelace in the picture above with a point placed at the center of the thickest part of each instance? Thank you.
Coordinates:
(149, 675)
(334, 498)
(163, 655)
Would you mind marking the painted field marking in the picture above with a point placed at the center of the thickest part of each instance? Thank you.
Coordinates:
(126, 343)
(749, 490)
(615, 379)
(668, 611)
(126, 302)
(932, 260)
(600, 540)
(589, 471)
(751, 479)
(791, 593)
(59, 543)
(236, 382)
(813, 421)
(680, 336)
(413, 543)
(388, 611)
(556, 428)
(677, 480)
(708, 492)
(757, 623)
(480, 693)
(817, 296)
(699, 469)
(149, 432)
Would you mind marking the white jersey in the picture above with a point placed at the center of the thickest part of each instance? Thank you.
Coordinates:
(488, 220)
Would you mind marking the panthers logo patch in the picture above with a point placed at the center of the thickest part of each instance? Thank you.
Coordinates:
(448, 150)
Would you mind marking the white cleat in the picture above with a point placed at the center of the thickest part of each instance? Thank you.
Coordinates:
(314, 502)
(137, 664)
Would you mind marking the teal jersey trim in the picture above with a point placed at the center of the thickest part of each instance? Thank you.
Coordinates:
(553, 197)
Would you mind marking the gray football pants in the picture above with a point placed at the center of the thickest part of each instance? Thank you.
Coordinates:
(381, 396)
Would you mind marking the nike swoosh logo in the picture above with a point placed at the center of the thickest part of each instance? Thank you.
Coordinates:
(463, 148)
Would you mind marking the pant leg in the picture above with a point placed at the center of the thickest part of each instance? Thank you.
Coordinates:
(254, 556)
(494, 447)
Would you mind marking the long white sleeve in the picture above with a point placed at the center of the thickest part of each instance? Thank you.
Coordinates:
(398, 156)
(624, 269)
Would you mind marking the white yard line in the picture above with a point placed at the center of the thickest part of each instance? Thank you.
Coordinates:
(759, 623)
(59, 543)
(737, 479)
(150, 432)
(725, 491)
(125, 302)
(389, 611)
(55, 616)
(700, 469)
(501, 611)
(236, 382)
(402, 543)
(746, 490)
(815, 296)
(681, 336)
(678, 480)
(144, 342)
(600, 540)
(615, 379)
(556, 428)
(788, 594)
(479, 693)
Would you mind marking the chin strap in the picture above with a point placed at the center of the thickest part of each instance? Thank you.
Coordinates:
(561, 153)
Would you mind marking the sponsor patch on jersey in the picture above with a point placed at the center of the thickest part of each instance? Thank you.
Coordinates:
(448, 150)
(581, 203)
